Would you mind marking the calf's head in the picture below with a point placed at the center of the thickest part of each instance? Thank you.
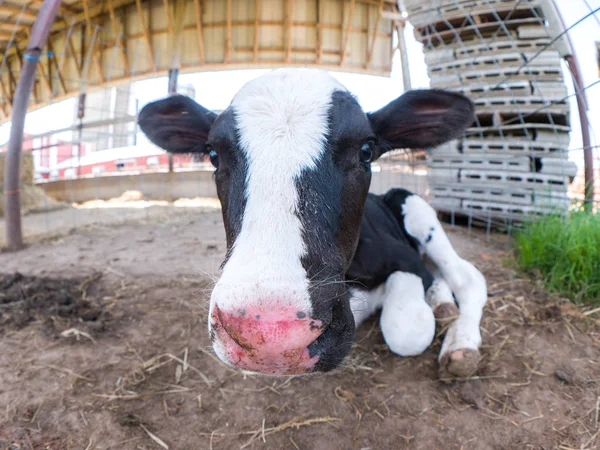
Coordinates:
(292, 158)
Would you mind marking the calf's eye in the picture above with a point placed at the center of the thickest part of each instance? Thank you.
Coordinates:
(366, 152)
(214, 157)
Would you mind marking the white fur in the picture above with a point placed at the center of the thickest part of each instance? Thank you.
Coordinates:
(439, 292)
(465, 281)
(364, 303)
(282, 123)
(407, 321)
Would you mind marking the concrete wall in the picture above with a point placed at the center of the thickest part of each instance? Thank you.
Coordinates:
(171, 186)
(155, 186)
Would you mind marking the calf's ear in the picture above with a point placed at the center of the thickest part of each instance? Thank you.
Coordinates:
(177, 124)
(422, 118)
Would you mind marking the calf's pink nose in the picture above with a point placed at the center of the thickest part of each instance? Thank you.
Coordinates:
(273, 341)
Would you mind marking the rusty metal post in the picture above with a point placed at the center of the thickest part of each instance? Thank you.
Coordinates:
(173, 78)
(80, 116)
(582, 106)
(569, 54)
(12, 176)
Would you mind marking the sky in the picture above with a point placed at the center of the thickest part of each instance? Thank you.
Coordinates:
(214, 90)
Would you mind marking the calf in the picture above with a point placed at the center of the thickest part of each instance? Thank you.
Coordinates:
(309, 253)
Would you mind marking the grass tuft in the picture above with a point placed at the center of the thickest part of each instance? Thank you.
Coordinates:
(565, 252)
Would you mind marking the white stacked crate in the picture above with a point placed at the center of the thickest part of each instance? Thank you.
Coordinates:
(513, 162)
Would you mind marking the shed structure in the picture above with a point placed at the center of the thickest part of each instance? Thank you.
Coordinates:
(95, 43)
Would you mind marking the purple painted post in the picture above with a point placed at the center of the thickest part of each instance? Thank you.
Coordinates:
(12, 174)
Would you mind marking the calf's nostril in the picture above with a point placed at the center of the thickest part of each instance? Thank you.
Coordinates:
(272, 341)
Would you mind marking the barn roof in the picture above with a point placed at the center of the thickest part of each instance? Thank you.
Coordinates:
(94, 43)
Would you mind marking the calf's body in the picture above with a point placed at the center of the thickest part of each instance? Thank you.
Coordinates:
(405, 265)
(292, 156)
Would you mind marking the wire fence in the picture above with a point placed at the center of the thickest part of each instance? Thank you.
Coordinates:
(515, 163)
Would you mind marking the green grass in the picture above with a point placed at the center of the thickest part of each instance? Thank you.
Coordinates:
(565, 251)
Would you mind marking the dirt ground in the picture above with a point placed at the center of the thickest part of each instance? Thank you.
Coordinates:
(103, 345)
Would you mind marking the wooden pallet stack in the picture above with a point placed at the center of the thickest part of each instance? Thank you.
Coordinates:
(513, 162)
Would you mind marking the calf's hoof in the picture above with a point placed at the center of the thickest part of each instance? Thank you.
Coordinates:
(445, 313)
(461, 363)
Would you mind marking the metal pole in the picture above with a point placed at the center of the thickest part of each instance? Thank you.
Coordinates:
(582, 105)
(80, 116)
(588, 157)
(12, 176)
(173, 78)
(403, 56)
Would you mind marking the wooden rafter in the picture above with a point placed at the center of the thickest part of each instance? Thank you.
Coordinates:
(320, 16)
(289, 24)
(169, 17)
(88, 21)
(118, 41)
(5, 113)
(199, 30)
(53, 59)
(228, 43)
(371, 47)
(347, 33)
(333, 44)
(17, 10)
(256, 30)
(13, 82)
(74, 54)
(63, 9)
(5, 95)
(179, 8)
(140, 11)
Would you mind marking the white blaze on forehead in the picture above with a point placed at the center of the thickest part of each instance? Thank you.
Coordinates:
(282, 120)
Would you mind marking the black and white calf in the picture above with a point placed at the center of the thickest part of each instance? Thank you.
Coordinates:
(310, 253)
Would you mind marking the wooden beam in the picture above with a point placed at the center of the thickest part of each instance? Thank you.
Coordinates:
(5, 95)
(289, 24)
(13, 82)
(46, 76)
(5, 113)
(199, 30)
(58, 68)
(169, 18)
(18, 10)
(228, 43)
(256, 29)
(320, 16)
(179, 8)
(95, 9)
(140, 11)
(88, 21)
(5, 35)
(118, 41)
(371, 47)
(75, 55)
(347, 33)
(63, 9)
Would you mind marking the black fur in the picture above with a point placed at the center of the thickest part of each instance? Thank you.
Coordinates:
(230, 176)
(384, 246)
(422, 118)
(177, 124)
(331, 200)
